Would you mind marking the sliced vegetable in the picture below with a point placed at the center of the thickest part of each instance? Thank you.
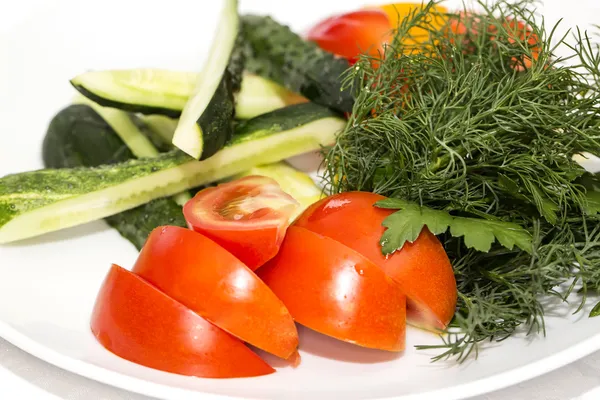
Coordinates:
(206, 122)
(139, 323)
(79, 137)
(248, 217)
(260, 95)
(284, 57)
(125, 126)
(157, 92)
(205, 277)
(333, 290)
(36, 202)
(351, 34)
(142, 144)
(146, 91)
(422, 268)
(295, 183)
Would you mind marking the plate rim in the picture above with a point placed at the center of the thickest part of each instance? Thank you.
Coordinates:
(145, 387)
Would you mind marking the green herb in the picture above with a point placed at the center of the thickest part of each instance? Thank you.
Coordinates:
(484, 121)
(406, 225)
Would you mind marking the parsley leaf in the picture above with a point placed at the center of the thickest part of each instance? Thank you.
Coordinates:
(406, 224)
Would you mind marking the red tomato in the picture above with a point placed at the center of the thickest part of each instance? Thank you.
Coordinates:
(248, 217)
(137, 322)
(206, 278)
(422, 268)
(351, 34)
(333, 290)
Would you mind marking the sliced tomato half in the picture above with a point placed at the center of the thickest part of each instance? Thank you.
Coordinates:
(248, 217)
(139, 323)
(205, 277)
(422, 268)
(333, 290)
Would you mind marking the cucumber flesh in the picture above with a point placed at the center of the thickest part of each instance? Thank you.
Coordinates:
(147, 91)
(211, 85)
(161, 95)
(33, 203)
(79, 137)
(134, 139)
(260, 95)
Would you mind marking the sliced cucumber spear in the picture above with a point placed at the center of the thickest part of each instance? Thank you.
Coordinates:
(161, 94)
(33, 203)
(139, 144)
(206, 122)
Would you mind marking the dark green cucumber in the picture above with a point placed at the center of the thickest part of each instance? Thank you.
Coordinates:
(206, 122)
(279, 54)
(33, 203)
(79, 137)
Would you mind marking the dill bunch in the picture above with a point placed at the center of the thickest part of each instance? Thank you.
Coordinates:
(483, 119)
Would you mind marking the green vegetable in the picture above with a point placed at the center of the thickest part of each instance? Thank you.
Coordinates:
(406, 225)
(146, 91)
(160, 92)
(139, 137)
(206, 122)
(485, 123)
(279, 54)
(78, 136)
(33, 203)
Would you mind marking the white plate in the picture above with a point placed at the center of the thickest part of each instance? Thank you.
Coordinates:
(48, 285)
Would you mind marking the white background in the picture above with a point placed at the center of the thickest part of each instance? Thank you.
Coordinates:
(24, 376)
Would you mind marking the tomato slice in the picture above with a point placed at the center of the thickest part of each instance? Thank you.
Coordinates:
(204, 277)
(422, 268)
(333, 290)
(137, 322)
(354, 33)
(248, 217)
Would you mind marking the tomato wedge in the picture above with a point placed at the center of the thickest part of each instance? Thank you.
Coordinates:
(354, 33)
(248, 217)
(333, 290)
(206, 278)
(137, 322)
(422, 268)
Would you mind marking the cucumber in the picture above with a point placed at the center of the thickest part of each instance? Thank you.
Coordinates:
(78, 136)
(33, 203)
(124, 126)
(206, 122)
(157, 93)
(135, 134)
(145, 91)
(279, 54)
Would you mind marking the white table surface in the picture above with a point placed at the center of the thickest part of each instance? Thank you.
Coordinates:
(24, 376)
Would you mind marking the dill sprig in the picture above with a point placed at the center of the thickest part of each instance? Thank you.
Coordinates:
(483, 118)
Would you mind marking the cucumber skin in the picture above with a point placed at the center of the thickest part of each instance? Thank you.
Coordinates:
(26, 192)
(279, 54)
(134, 108)
(78, 137)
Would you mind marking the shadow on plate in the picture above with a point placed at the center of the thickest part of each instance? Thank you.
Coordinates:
(324, 346)
(78, 231)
